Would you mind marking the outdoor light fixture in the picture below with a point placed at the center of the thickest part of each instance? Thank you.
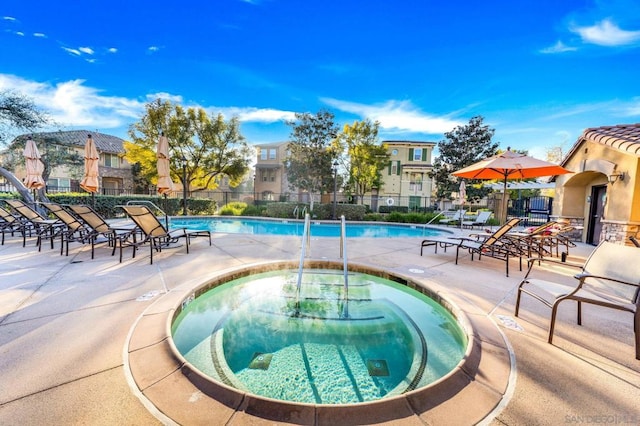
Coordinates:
(615, 177)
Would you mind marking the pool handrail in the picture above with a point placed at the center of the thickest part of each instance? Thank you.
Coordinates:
(306, 241)
(345, 266)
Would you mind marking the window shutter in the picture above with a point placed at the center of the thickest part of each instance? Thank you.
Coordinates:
(424, 154)
(410, 154)
(399, 167)
(389, 173)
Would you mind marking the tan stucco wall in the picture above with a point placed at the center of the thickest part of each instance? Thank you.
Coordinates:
(593, 164)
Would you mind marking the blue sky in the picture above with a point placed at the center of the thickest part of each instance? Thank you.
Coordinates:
(539, 71)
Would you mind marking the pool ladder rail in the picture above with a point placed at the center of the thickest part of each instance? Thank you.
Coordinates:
(306, 243)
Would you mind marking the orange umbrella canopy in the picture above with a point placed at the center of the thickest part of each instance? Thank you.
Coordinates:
(165, 184)
(510, 165)
(91, 158)
(34, 166)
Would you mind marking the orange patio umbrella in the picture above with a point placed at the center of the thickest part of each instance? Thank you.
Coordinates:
(89, 181)
(165, 184)
(510, 165)
(34, 166)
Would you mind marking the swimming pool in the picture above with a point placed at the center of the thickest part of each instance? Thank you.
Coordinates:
(295, 228)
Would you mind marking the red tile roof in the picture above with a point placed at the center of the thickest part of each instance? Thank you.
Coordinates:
(624, 137)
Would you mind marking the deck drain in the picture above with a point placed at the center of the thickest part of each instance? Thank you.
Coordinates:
(147, 296)
(509, 322)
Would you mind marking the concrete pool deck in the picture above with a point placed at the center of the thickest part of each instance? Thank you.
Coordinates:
(67, 325)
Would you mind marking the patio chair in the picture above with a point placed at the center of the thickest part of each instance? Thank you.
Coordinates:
(12, 224)
(44, 228)
(455, 219)
(634, 241)
(609, 278)
(155, 232)
(533, 241)
(75, 229)
(480, 220)
(96, 225)
(557, 236)
(497, 245)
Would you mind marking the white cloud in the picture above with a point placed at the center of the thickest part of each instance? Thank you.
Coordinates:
(252, 114)
(397, 115)
(559, 47)
(42, 35)
(112, 50)
(87, 50)
(8, 18)
(20, 33)
(74, 52)
(71, 103)
(153, 48)
(176, 99)
(607, 33)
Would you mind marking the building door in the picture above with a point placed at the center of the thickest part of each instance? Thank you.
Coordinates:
(596, 213)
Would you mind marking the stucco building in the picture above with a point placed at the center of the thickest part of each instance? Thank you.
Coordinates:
(602, 195)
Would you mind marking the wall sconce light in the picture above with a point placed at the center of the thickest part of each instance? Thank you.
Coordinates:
(615, 177)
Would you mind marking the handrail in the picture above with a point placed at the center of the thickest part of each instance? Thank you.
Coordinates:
(345, 266)
(295, 211)
(151, 203)
(435, 217)
(306, 239)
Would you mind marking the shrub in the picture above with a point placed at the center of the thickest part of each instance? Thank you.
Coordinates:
(235, 208)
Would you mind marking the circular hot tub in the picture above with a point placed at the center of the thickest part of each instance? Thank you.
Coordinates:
(250, 343)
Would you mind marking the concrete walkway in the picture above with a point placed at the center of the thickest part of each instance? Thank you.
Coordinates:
(65, 322)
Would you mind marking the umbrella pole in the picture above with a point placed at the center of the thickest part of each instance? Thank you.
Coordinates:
(93, 200)
(505, 202)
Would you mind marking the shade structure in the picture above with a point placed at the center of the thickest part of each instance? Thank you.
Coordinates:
(165, 184)
(510, 165)
(34, 166)
(89, 181)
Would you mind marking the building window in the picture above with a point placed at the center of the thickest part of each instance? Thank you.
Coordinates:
(58, 185)
(417, 154)
(263, 154)
(415, 184)
(272, 154)
(111, 160)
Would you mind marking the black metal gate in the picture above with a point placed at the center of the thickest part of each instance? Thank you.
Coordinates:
(533, 210)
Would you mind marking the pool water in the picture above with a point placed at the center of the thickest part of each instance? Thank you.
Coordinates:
(259, 335)
(292, 227)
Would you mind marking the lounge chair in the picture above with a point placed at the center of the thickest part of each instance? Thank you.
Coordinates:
(44, 227)
(12, 224)
(117, 237)
(75, 229)
(608, 278)
(455, 219)
(480, 220)
(634, 241)
(533, 241)
(155, 232)
(557, 236)
(497, 245)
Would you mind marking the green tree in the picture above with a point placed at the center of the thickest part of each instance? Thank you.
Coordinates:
(463, 146)
(53, 152)
(365, 156)
(311, 153)
(212, 147)
(18, 114)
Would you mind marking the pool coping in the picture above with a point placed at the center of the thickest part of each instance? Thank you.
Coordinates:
(176, 392)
